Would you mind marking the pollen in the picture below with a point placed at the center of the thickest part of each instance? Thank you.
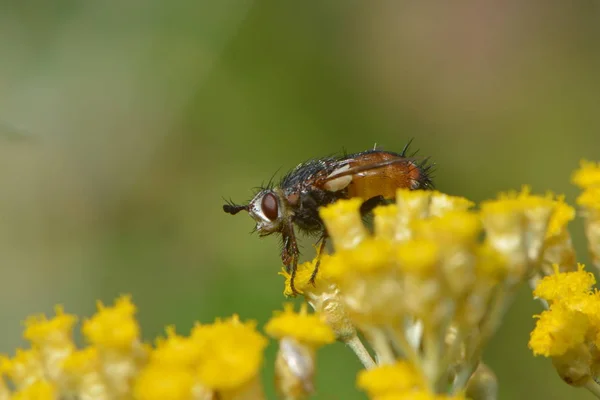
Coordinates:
(387, 379)
(113, 327)
(588, 175)
(558, 330)
(306, 328)
(563, 285)
(232, 353)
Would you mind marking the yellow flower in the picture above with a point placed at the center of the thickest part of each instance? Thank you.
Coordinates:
(24, 368)
(413, 203)
(454, 227)
(82, 361)
(232, 353)
(386, 379)
(306, 328)
(442, 203)
(344, 223)
(490, 263)
(370, 256)
(42, 331)
(385, 220)
(590, 199)
(562, 215)
(39, 390)
(176, 350)
(562, 285)
(418, 257)
(160, 382)
(113, 327)
(588, 175)
(558, 330)
(304, 272)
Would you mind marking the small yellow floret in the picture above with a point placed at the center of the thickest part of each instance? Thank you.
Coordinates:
(418, 256)
(40, 330)
(176, 350)
(459, 227)
(387, 379)
(25, 367)
(304, 273)
(490, 263)
(587, 175)
(344, 223)
(512, 201)
(413, 203)
(232, 353)
(442, 203)
(562, 285)
(370, 256)
(160, 382)
(590, 198)
(562, 215)
(113, 327)
(557, 330)
(39, 390)
(385, 220)
(82, 362)
(341, 208)
(305, 328)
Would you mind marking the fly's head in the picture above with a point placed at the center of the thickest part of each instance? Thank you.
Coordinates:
(267, 208)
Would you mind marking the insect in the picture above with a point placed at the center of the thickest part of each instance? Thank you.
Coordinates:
(373, 175)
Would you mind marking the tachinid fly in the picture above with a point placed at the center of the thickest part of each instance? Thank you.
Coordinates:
(372, 175)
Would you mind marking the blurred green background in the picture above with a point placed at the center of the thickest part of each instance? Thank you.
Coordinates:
(125, 123)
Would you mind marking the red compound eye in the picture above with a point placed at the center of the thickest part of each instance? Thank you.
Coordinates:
(269, 206)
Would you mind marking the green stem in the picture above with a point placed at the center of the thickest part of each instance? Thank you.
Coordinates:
(380, 344)
(402, 345)
(593, 387)
(361, 352)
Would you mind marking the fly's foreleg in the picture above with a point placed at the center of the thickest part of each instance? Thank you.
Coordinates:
(289, 256)
(322, 244)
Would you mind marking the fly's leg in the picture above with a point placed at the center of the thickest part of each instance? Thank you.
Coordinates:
(322, 244)
(370, 204)
(289, 256)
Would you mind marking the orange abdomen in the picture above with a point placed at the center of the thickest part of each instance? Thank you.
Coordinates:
(383, 181)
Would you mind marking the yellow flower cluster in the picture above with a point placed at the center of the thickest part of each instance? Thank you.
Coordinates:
(568, 331)
(426, 286)
(220, 360)
(587, 177)
(429, 285)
